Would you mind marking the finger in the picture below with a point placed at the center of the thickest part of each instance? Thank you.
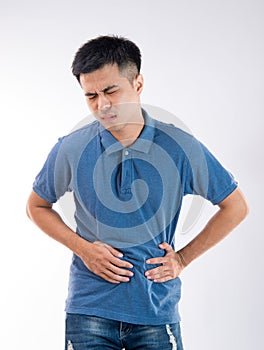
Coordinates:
(121, 272)
(160, 260)
(163, 279)
(116, 255)
(111, 280)
(112, 277)
(114, 251)
(160, 275)
(157, 272)
(120, 263)
(165, 246)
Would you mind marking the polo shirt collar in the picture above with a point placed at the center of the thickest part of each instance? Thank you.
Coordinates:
(142, 144)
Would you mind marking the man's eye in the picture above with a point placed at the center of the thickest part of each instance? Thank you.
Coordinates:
(91, 97)
(111, 92)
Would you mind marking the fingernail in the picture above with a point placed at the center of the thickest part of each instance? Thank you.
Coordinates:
(120, 255)
(148, 262)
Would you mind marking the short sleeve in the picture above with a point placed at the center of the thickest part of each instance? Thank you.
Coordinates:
(206, 176)
(53, 179)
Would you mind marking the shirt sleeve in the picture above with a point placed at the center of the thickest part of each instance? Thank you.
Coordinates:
(54, 178)
(206, 176)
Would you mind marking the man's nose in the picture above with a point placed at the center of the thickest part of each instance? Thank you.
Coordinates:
(103, 102)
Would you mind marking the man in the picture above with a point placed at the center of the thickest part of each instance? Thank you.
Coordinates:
(129, 173)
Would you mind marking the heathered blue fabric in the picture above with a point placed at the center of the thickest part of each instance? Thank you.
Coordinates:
(130, 198)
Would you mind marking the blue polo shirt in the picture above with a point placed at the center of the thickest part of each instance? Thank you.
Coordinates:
(129, 197)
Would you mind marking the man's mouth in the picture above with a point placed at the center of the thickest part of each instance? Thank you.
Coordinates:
(109, 118)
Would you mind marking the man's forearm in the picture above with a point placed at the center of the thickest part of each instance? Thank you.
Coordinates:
(50, 222)
(100, 258)
(232, 211)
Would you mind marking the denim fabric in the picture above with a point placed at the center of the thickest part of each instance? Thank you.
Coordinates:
(91, 332)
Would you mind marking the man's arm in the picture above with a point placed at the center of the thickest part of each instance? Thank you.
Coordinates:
(232, 210)
(100, 258)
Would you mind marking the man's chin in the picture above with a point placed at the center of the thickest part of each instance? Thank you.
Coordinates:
(115, 128)
(113, 124)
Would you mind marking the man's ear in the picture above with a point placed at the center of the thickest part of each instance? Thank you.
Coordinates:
(138, 83)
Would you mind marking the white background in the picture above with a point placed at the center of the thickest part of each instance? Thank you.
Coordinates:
(204, 62)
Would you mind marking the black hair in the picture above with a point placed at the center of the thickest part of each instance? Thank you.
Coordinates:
(103, 50)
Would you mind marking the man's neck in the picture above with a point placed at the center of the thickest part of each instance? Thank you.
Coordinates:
(129, 133)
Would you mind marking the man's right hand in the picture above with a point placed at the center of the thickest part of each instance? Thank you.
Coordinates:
(104, 261)
(99, 257)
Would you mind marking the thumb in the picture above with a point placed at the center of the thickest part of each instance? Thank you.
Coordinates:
(165, 246)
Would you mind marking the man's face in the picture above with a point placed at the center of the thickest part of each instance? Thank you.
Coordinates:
(114, 101)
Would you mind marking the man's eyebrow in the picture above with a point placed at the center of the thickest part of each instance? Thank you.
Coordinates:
(104, 90)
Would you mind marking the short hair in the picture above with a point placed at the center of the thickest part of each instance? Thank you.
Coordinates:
(104, 50)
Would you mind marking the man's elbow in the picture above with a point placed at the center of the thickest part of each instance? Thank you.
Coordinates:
(35, 206)
(29, 210)
(243, 209)
(236, 204)
(241, 206)
(33, 203)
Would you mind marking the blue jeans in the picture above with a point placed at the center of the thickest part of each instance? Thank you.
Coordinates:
(90, 332)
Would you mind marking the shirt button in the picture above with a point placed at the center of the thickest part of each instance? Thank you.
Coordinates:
(126, 153)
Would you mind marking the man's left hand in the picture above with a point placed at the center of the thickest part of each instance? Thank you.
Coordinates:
(171, 265)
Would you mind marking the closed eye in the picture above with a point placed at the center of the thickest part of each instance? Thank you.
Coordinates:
(92, 97)
(111, 92)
